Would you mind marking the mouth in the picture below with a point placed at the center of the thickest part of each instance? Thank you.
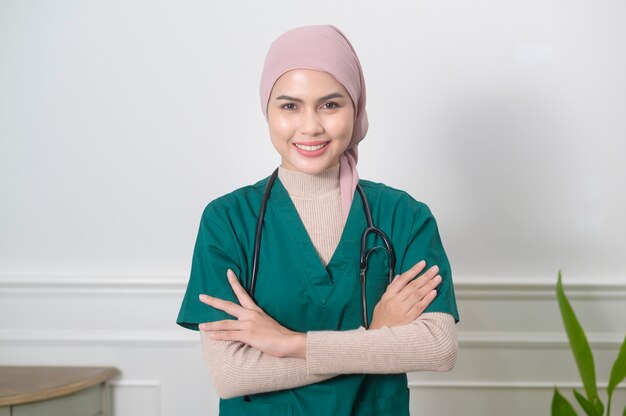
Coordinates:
(311, 149)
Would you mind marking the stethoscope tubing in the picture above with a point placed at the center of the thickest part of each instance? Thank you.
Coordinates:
(259, 230)
(364, 255)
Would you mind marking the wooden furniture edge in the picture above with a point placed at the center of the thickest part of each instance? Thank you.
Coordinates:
(105, 374)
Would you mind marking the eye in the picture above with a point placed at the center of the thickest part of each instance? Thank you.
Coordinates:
(288, 106)
(330, 105)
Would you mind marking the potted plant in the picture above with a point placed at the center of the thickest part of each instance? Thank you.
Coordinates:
(590, 402)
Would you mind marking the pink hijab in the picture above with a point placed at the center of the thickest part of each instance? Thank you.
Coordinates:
(323, 48)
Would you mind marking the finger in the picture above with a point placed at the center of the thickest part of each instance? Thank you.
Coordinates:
(418, 294)
(401, 280)
(242, 296)
(419, 308)
(223, 305)
(426, 300)
(419, 283)
(428, 285)
(435, 282)
(224, 325)
(225, 335)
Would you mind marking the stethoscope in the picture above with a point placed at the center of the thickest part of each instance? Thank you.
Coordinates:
(365, 253)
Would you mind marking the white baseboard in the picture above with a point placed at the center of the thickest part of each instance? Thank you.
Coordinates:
(504, 385)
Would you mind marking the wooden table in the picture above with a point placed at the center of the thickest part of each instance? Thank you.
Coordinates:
(55, 391)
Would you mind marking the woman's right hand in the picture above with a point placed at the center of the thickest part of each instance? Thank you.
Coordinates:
(406, 297)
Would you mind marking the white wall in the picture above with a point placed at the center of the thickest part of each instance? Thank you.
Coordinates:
(505, 117)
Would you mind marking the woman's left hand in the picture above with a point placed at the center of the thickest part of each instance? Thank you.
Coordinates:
(252, 326)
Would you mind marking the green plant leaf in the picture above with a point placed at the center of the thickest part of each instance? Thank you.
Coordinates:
(578, 344)
(585, 404)
(599, 407)
(560, 405)
(618, 372)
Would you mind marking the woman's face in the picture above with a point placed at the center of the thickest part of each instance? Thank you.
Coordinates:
(310, 117)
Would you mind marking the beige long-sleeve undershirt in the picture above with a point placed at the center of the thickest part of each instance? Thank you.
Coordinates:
(427, 344)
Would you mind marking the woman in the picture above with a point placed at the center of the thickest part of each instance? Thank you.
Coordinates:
(302, 343)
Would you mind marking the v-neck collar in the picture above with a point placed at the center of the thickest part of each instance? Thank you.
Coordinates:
(316, 276)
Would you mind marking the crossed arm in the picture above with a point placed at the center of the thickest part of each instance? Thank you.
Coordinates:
(253, 353)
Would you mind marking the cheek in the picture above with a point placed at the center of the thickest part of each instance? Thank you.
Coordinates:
(343, 127)
(280, 125)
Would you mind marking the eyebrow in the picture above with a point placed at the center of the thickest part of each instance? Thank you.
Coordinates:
(299, 100)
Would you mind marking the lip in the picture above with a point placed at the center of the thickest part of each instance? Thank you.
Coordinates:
(312, 143)
(311, 153)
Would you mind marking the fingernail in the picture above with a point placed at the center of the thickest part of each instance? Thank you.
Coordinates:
(203, 297)
(437, 279)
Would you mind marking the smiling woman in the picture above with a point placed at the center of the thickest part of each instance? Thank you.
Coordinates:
(332, 327)
(310, 118)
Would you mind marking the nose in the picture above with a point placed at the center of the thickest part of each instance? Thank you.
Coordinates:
(310, 123)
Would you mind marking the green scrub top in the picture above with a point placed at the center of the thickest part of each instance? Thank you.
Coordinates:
(295, 288)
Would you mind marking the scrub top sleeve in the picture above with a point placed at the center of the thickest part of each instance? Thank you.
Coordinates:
(426, 245)
(214, 253)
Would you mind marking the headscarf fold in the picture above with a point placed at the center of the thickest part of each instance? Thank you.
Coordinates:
(323, 48)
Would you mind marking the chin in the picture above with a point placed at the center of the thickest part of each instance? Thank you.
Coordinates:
(310, 166)
(315, 169)
(309, 170)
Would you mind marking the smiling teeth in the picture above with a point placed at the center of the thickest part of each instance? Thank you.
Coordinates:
(310, 148)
